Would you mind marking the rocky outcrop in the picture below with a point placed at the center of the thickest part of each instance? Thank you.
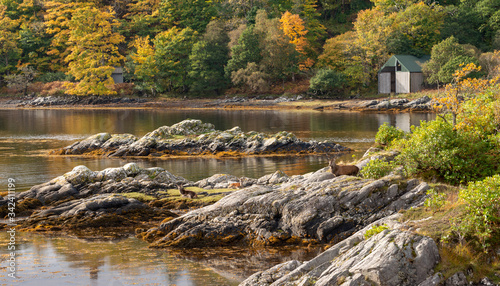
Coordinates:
(315, 207)
(392, 257)
(99, 211)
(193, 137)
(421, 104)
(38, 101)
(82, 182)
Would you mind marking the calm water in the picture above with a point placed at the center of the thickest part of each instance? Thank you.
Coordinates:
(26, 134)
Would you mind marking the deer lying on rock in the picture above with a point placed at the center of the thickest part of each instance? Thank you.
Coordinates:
(187, 194)
(339, 170)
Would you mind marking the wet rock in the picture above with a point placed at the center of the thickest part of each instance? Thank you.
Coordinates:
(196, 138)
(98, 212)
(423, 103)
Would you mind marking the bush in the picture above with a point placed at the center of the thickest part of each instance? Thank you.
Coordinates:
(124, 89)
(253, 77)
(387, 134)
(436, 200)
(326, 81)
(482, 216)
(436, 149)
(376, 169)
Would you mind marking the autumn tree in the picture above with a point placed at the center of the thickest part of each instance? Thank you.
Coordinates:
(93, 46)
(9, 50)
(293, 28)
(143, 65)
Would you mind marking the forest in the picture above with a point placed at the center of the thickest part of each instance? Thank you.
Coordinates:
(204, 48)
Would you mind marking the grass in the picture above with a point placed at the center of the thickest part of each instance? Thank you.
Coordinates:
(139, 196)
(210, 197)
(455, 255)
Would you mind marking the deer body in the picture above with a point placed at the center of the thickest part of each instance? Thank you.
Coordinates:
(339, 170)
(187, 194)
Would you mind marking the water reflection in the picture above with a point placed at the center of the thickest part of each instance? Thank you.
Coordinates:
(43, 260)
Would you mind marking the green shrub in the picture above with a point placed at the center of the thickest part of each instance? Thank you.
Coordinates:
(482, 216)
(376, 169)
(387, 134)
(436, 200)
(326, 81)
(436, 149)
(376, 229)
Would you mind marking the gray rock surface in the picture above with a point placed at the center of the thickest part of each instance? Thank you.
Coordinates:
(81, 182)
(392, 257)
(297, 209)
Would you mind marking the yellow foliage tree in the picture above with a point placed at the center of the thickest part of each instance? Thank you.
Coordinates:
(56, 22)
(8, 43)
(93, 46)
(471, 101)
(145, 68)
(293, 27)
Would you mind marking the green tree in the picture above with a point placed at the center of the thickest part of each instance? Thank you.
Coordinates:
(193, 14)
(445, 56)
(247, 50)
(143, 19)
(172, 50)
(208, 59)
(326, 81)
(416, 29)
(280, 59)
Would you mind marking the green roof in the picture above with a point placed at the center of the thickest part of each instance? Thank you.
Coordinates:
(408, 63)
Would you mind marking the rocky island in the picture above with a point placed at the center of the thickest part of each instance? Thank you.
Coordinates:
(193, 137)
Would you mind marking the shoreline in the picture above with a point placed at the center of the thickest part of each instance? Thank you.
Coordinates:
(380, 105)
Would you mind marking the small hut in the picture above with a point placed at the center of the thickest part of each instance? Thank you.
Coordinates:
(117, 75)
(401, 74)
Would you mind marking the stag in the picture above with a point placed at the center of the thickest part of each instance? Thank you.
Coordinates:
(187, 194)
(339, 170)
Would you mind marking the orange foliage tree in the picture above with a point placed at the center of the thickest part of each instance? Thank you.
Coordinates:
(293, 27)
